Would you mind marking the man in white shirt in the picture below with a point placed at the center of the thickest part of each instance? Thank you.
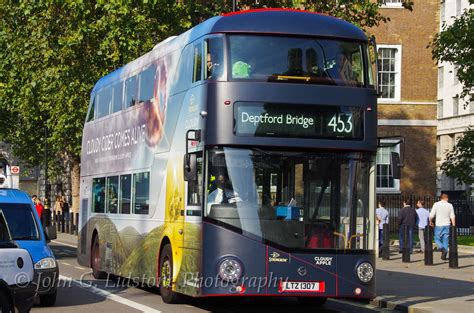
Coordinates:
(382, 218)
(443, 211)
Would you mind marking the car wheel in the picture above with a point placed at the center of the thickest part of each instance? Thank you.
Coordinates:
(312, 301)
(166, 276)
(48, 299)
(5, 306)
(95, 255)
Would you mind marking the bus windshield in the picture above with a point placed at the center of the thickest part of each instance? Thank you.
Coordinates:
(20, 221)
(291, 199)
(297, 59)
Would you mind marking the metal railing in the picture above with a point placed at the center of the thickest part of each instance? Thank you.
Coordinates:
(464, 210)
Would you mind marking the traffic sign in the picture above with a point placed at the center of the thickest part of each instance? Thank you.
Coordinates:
(15, 170)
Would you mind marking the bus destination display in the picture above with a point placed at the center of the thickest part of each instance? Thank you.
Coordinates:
(303, 121)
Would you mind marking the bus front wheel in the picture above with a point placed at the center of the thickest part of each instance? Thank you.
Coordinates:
(96, 272)
(166, 276)
(310, 301)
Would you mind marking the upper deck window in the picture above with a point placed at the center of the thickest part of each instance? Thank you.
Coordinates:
(298, 60)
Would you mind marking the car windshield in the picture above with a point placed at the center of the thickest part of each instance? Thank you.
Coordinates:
(297, 59)
(20, 220)
(292, 199)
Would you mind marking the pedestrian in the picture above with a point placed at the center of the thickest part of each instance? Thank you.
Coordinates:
(57, 205)
(422, 221)
(39, 208)
(65, 208)
(382, 218)
(406, 218)
(443, 213)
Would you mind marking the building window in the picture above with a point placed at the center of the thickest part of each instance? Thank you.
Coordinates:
(440, 77)
(440, 108)
(385, 180)
(389, 72)
(458, 7)
(455, 72)
(471, 107)
(455, 106)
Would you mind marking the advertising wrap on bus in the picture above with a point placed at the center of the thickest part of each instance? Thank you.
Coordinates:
(128, 139)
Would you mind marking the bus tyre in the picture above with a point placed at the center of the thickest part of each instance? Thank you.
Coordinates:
(5, 306)
(48, 299)
(96, 272)
(312, 301)
(166, 276)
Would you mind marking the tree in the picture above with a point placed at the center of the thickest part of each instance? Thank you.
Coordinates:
(459, 162)
(455, 44)
(51, 54)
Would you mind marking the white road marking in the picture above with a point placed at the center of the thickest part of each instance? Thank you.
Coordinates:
(80, 268)
(110, 296)
(64, 244)
(65, 263)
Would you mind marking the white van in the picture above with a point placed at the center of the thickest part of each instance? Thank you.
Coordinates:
(17, 290)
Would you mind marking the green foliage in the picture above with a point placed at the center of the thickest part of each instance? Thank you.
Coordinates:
(455, 44)
(459, 162)
(52, 52)
(363, 13)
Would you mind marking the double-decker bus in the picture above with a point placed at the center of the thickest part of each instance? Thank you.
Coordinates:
(237, 158)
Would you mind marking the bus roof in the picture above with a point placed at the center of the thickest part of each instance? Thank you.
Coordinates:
(260, 21)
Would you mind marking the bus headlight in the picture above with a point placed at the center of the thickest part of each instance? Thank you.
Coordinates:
(365, 272)
(230, 269)
(45, 263)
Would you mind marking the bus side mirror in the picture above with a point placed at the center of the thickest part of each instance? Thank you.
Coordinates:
(395, 165)
(190, 159)
(190, 167)
(50, 233)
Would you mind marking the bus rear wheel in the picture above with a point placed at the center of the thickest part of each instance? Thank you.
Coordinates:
(312, 301)
(166, 276)
(96, 272)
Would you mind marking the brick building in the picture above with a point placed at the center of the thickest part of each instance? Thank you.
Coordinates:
(408, 100)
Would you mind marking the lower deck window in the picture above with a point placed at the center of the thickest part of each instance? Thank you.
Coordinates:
(98, 195)
(141, 193)
(124, 194)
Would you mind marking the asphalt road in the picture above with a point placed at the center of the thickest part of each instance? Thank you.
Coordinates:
(80, 292)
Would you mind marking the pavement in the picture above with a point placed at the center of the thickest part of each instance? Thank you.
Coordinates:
(405, 287)
(415, 287)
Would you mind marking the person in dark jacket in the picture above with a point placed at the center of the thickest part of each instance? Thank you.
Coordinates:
(406, 218)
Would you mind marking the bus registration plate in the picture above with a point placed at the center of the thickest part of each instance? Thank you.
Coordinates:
(301, 286)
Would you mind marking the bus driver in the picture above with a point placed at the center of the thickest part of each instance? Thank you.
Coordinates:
(221, 195)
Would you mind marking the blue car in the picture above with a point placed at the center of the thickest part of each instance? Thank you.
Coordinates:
(28, 233)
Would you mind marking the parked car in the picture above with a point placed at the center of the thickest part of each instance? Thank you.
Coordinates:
(17, 289)
(28, 233)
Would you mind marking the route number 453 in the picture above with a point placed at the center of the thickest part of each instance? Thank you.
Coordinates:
(341, 123)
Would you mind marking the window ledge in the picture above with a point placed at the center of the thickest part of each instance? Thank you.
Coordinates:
(387, 191)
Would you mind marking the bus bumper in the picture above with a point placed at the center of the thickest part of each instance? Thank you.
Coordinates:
(264, 270)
